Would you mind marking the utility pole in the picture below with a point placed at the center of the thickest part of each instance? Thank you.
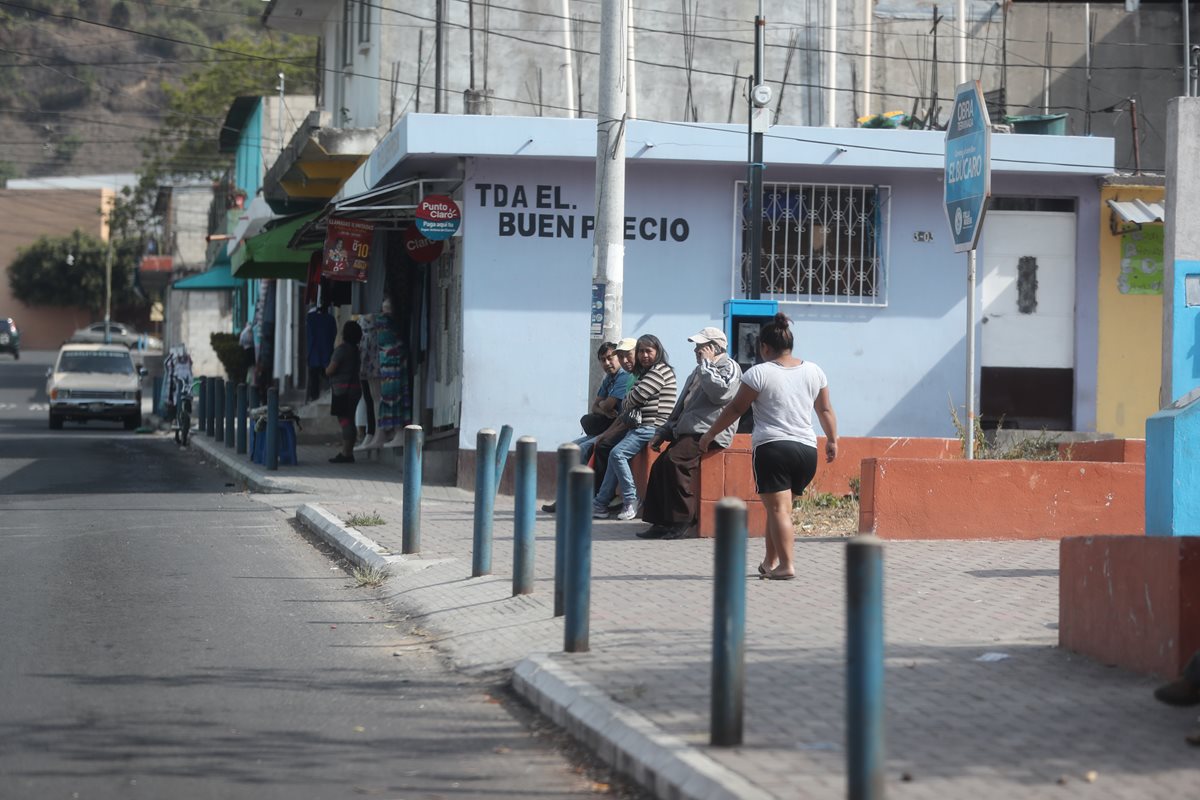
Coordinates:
(108, 258)
(758, 119)
(960, 11)
(608, 252)
(438, 35)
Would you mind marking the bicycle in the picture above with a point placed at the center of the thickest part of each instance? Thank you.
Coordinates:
(183, 410)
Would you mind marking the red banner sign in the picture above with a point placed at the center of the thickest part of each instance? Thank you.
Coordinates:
(347, 250)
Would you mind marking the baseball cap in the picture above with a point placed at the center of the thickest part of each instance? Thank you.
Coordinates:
(628, 343)
(714, 335)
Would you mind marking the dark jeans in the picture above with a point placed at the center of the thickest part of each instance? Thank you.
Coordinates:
(671, 498)
(1191, 672)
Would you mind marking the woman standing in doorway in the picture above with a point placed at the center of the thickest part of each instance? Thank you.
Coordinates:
(785, 391)
(345, 386)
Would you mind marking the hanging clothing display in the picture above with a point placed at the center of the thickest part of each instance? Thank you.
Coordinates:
(395, 402)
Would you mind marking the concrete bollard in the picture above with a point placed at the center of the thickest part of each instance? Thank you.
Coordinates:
(414, 445)
(242, 429)
(216, 426)
(729, 625)
(864, 669)
(502, 446)
(568, 457)
(525, 514)
(577, 593)
(230, 412)
(271, 453)
(485, 502)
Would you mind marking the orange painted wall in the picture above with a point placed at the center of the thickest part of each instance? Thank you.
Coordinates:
(922, 499)
(1131, 601)
(1125, 451)
(730, 473)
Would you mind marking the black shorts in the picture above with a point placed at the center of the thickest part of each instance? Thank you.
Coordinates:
(784, 465)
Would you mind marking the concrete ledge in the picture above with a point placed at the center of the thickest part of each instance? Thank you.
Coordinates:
(987, 499)
(663, 763)
(358, 548)
(1132, 601)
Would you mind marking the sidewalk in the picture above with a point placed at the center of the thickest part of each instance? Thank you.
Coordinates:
(1031, 721)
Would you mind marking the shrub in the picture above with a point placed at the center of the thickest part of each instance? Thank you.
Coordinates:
(231, 355)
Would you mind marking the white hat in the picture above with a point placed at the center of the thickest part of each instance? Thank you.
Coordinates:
(714, 335)
(628, 344)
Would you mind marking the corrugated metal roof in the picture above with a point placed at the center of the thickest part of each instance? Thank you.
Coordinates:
(1138, 212)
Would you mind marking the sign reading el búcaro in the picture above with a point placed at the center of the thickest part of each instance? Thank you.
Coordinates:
(438, 217)
(347, 249)
(968, 166)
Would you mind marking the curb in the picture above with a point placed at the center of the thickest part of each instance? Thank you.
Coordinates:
(661, 762)
(354, 546)
(231, 464)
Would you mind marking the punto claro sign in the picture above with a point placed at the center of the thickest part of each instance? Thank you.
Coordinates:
(539, 211)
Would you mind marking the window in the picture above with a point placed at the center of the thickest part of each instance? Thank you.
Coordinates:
(821, 243)
(364, 22)
(347, 32)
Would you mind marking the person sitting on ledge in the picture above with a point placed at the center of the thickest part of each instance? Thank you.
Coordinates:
(671, 506)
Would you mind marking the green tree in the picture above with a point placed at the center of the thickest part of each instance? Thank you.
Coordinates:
(186, 143)
(69, 271)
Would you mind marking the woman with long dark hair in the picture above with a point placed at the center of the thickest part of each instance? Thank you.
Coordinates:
(344, 382)
(785, 391)
(647, 405)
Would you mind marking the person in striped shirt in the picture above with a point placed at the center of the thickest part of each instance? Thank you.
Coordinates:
(646, 407)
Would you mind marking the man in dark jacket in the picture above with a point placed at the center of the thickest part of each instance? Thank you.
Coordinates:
(671, 506)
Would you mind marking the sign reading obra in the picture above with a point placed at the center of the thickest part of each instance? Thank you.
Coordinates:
(551, 217)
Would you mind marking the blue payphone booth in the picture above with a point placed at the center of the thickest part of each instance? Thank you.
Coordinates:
(743, 319)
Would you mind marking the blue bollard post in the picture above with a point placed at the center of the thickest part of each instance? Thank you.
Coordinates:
(502, 445)
(201, 403)
(485, 502)
(230, 412)
(729, 625)
(568, 457)
(414, 444)
(864, 668)
(209, 402)
(524, 515)
(241, 419)
(272, 443)
(577, 594)
(216, 427)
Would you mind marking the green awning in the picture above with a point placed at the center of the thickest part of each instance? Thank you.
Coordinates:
(216, 279)
(268, 256)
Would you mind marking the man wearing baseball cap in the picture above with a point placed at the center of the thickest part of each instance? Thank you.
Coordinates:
(671, 506)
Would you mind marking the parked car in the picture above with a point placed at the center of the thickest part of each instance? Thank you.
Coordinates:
(10, 338)
(95, 381)
(118, 333)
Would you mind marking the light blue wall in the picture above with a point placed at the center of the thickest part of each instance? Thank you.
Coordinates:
(1185, 333)
(1173, 472)
(893, 370)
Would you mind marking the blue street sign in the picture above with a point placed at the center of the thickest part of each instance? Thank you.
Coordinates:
(968, 166)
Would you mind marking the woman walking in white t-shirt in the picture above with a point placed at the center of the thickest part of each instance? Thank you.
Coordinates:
(784, 391)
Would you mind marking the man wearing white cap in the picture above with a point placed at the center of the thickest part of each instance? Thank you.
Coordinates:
(671, 505)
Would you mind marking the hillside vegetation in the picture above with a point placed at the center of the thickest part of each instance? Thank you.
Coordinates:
(85, 83)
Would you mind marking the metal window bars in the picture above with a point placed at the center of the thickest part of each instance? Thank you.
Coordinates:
(822, 243)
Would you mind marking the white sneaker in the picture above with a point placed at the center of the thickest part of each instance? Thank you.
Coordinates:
(600, 513)
(628, 511)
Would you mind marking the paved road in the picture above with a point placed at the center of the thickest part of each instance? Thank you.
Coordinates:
(165, 637)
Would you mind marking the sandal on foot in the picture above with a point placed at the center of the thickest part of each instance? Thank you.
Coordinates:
(779, 576)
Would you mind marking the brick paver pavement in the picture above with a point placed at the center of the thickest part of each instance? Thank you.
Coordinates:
(1033, 723)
